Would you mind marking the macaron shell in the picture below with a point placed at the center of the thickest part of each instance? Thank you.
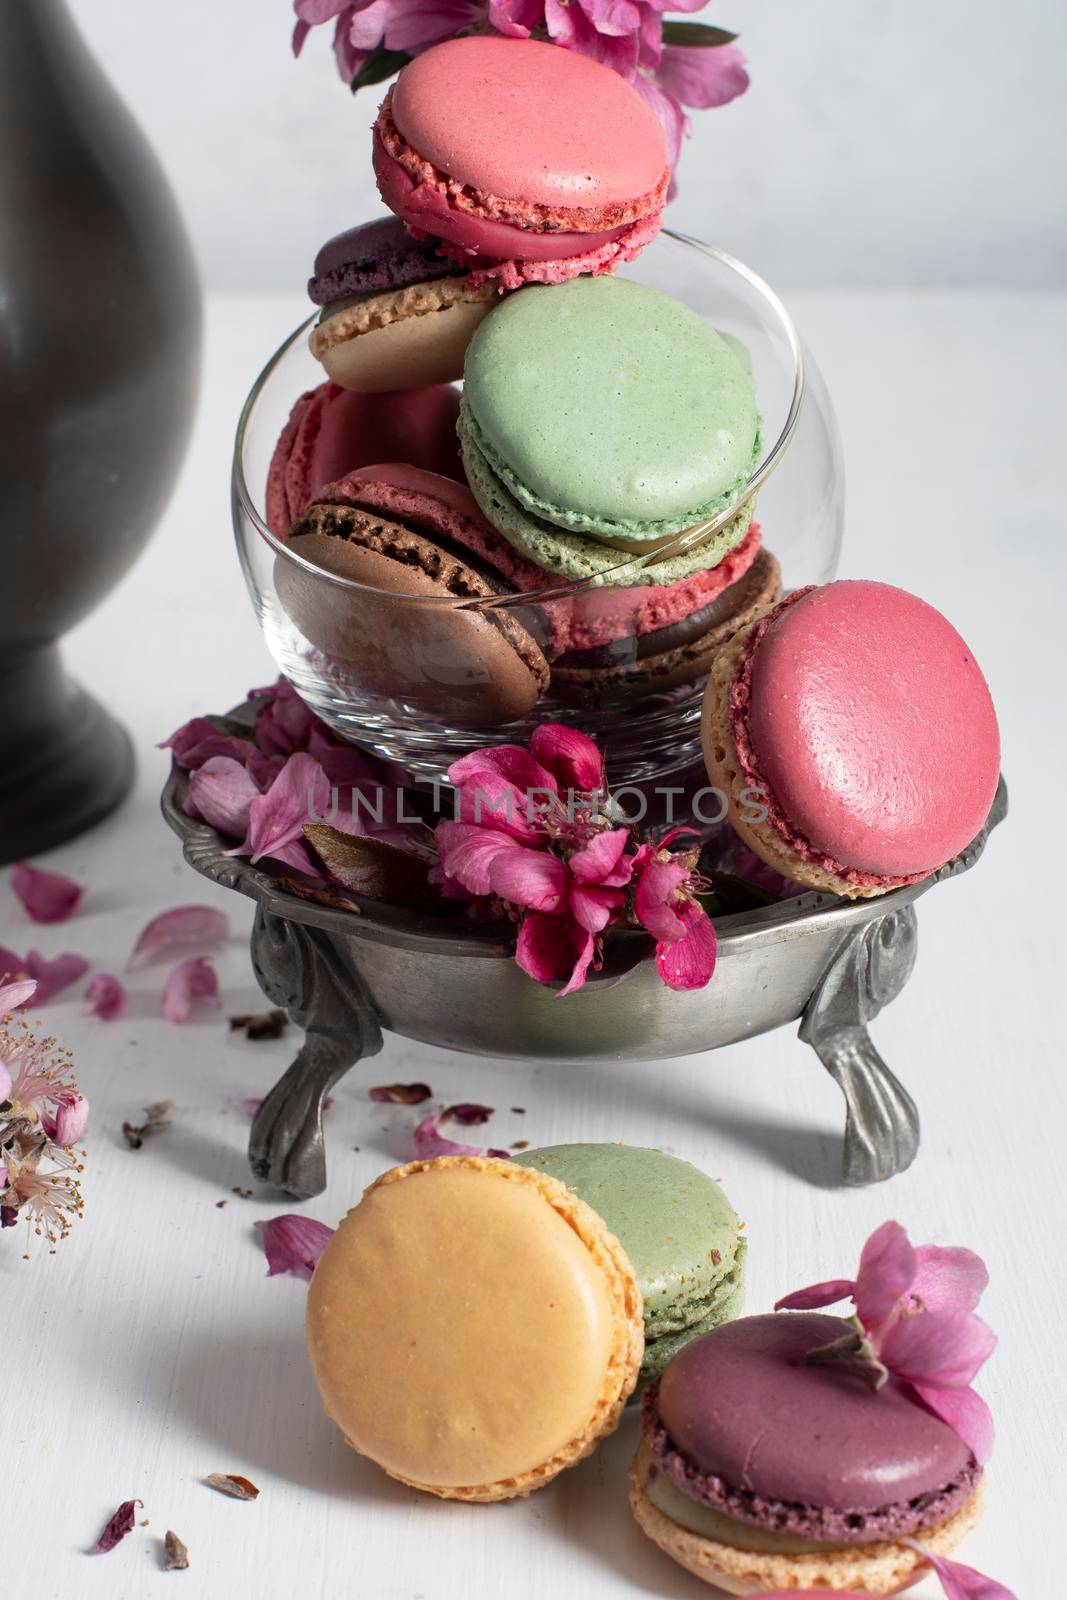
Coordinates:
(608, 408)
(871, 722)
(373, 256)
(333, 431)
(571, 555)
(403, 339)
(521, 119)
(473, 1328)
(740, 1406)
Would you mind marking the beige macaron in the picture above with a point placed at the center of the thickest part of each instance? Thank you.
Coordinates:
(474, 1328)
(402, 338)
(883, 1568)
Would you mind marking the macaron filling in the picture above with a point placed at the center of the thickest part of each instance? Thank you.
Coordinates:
(808, 1525)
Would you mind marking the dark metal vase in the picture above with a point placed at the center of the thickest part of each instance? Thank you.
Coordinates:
(99, 363)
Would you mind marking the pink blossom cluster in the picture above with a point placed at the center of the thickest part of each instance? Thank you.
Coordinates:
(43, 1116)
(374, 37)
(533, 836)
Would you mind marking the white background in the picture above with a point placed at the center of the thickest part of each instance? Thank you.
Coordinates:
(152, 1349)
(881, 142)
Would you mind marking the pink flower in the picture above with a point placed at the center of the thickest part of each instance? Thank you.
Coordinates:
(293, 1244)
(190, 982)
(916, 1308)
(180, 928)
(275, 824)
(105, 997)
(47, 896)
(48, 976)
(533, 837)
(666, 904)
(960, 1582)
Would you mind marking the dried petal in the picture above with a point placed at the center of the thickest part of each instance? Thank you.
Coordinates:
(467, 1113)
(429, 1143)
(374, 869)
(190, 981)
(157, 1119)
(105, 997)
(232, 1483)
(293, 1244)
(15, 995)
(261, 1024)
(175, 1555)
(401, 1094)
(47, 896)
(120, 1525)
(198, 741)
(180, 928)
(220, 793)
(47, 976)
(300, 792)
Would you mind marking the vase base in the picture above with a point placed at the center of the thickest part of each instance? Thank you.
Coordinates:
(67, 762)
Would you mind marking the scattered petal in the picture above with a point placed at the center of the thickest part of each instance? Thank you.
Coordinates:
(232, 1483)
(120, 1525)
(960, 1582)
(199, 741)
(180, 928)
(301, 793)
(429, 1143)
(47, 977)
(47, 896)
(401, 1094)
(886, 1273)
(468, 1113)
(175, 1555)
(293, 1244)
(221, 793)
(190, 982)
(105, 997)
(261, 1024)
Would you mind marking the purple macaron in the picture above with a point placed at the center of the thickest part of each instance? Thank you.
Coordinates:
(744, 1422)
(371, 258)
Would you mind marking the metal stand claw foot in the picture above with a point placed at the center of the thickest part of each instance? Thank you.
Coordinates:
(300, 969)
(868, 970)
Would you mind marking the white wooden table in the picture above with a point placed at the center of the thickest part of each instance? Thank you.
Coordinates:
(152, 1349)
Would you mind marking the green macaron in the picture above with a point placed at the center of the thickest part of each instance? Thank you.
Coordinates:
(679, 1230)
(608, 411)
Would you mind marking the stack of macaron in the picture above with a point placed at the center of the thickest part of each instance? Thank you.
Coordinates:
(608, 432)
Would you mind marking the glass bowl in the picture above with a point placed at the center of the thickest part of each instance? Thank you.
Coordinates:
(417, 678)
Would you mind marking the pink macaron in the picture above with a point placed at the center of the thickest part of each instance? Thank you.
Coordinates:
(855, 735)
(333, 431)
(527, 163)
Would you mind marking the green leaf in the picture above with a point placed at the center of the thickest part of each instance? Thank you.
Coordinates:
(379, 66)
(695, 33)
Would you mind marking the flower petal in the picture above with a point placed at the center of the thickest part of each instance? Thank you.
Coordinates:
(118, 1527)
(5, 1092)
(489, 800)
(572, 758)
(966, 1414)
(487, 862)
(430, 1143)
(949, 1279)
(221, 793)
(14, 995)
(672, 118)
(47, 896)
(400, 1094)
(689, 962)
(602, 861)
(886, 1273)
(615, 18)
(48, 976)
(190, 981)
(293, 1244)
(516, 18)
(105, 997)
(592, 907)
(180, 928)
(300, 793)
(940, 1348)
(285, 722)
(550, 949)
(661, 878)
(817, 1295)
(467, 1112)
(417, 24)
(702, 76)
(68, 1124)
(960, 1582)
(197, 741)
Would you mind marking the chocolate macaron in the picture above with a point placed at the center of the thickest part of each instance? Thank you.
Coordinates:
(412, 550)
(857, 721)
(764, 1466)
(474, 1328)
(395, 315)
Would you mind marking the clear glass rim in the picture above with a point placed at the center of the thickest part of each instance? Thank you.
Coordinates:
(771, 458)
